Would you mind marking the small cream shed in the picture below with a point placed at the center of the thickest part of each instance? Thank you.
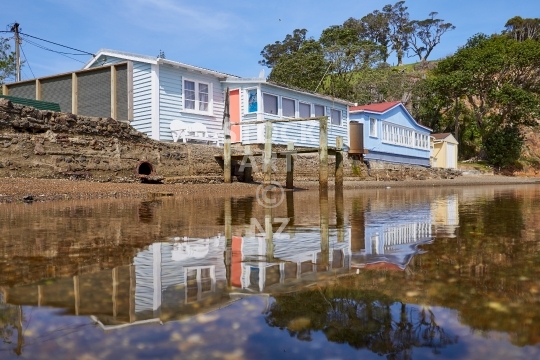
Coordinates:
(444, 152)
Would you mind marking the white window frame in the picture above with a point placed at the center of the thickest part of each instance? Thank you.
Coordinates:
(373, 127)
(403, 136)
(277, 104)
(246, 102)
(295, 115)
(198, 280)
(197, 97)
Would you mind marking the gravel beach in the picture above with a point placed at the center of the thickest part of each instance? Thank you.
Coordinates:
(16, 189)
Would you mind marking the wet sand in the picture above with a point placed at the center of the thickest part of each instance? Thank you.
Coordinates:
(15, 189)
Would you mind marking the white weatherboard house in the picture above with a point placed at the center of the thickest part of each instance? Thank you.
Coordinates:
(392, 135)
(163, 90)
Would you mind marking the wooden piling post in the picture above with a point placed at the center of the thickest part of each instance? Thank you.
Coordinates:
(290, 167)
(269, 234)
(323, 153)
(324, 223)
(248, 170)
(339, 164)
(267, 166)
(227, 141)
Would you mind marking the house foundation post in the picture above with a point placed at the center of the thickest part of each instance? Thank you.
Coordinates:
(290, 167)
(323, 153)
(339, 164)
(267, 165)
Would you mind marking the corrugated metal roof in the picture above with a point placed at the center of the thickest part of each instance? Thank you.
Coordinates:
(38, 104)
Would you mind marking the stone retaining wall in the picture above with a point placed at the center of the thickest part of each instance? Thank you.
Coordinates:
(45, 144)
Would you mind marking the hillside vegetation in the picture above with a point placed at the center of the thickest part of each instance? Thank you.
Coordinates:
(487, 93)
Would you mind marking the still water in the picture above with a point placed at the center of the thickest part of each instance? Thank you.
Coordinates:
(394, 273)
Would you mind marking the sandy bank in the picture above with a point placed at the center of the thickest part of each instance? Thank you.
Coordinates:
(15, 189)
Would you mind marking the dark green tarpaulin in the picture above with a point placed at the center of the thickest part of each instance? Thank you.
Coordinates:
(38, 104)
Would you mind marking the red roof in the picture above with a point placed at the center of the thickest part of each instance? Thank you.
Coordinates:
(379, 108)
(383, 265)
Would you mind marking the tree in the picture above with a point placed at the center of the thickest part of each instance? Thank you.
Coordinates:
(271, 53)
(521, 29)
(399, 28)
(426, 34)
(7, 61)
(347, 55)
(492, 81)
(303, 69)
(503, 145)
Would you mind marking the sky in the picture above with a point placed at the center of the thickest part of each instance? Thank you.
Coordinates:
(225, 36)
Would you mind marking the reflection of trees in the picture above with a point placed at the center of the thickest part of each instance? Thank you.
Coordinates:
(361, 318)
(10, 322)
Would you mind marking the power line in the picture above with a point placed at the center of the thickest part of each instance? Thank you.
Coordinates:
(26, 59)
(54, 51)
(82, 51)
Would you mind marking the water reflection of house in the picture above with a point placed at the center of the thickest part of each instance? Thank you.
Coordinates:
(291, 259)
(391, 236)
(183, 277)
(445, 216)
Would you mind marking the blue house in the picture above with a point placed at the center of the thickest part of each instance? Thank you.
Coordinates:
(164, 90)
(392, 135)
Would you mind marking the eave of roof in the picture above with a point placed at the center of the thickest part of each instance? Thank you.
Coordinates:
(153, 61)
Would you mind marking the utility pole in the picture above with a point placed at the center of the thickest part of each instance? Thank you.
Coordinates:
(15, 29)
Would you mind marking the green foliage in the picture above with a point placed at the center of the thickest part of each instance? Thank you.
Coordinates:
(7, 61)
(489, 85)
(521, 29)
(271, 53)
(303, 69)
(503, 145)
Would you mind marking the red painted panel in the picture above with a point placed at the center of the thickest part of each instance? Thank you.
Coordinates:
(236, 259)
(234, 111)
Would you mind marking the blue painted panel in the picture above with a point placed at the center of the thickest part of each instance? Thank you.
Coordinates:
(142, 98)
(379, 150)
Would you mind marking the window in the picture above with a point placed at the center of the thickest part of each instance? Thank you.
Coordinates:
(336, 117)
(252, 100)
(203, 97)
(189, 95)
(270, 103)
(319, 110)
(373, 127)
(304, 110)
(399, 135)
(288, 107)
(196, 96)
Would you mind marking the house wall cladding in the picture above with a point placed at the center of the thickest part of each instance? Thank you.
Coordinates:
(25, 90)
(142, 98)
(94, 90)
(171, 100)
(122, 92)
(57, 90)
